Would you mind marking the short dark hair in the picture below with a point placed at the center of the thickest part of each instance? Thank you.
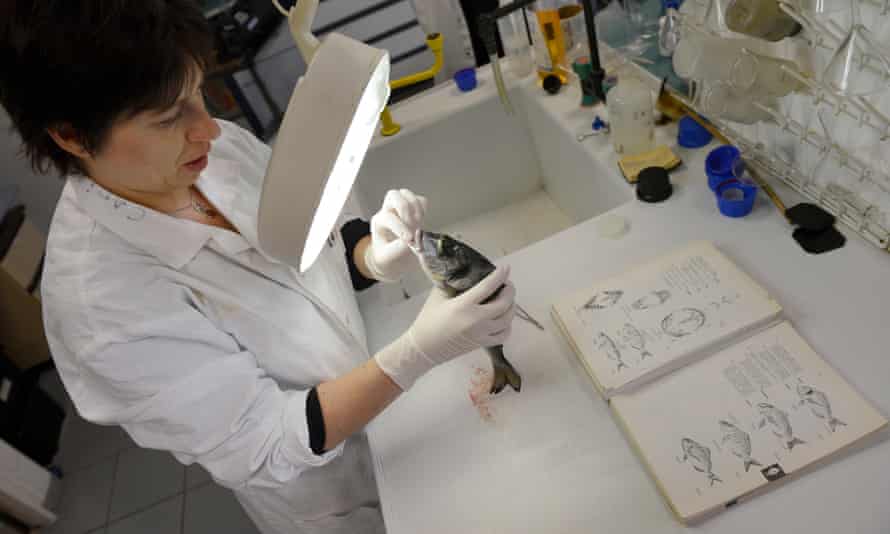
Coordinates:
(88, 64)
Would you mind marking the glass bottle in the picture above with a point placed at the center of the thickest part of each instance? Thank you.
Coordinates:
(760, 18)
(669, 29)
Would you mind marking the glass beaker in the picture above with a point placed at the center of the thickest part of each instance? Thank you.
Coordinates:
(574, 31)
(720, 100)
(630, 116)
(762, 75)
(515, 39)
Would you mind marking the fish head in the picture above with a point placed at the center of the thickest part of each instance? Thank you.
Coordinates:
(803, 390)
(687, 445)
(450, 264)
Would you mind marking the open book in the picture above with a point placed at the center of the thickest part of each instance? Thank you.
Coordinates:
(718, 395)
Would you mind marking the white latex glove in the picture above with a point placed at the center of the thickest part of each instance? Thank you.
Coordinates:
(447, 328)
(392, 232)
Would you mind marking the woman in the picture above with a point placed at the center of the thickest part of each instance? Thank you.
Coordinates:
(163, 315)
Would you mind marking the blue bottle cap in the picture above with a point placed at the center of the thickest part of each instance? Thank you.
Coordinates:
(735, 198)
(723, 163)
(465, 79)
(692, 134)
(598, 124)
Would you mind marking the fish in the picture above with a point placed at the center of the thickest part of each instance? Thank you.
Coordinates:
(819, 405)
(780, 423)
(700, 458)
(454, 267)
(738, 442)
(603, 300)
(604, 343)
(653, 299)
(634, 338)
(683, 322)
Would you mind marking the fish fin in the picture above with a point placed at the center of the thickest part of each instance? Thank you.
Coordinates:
(504, 373)
(833, 422)
(751, 461)
(795, 441)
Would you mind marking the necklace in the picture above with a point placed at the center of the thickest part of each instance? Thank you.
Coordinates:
(196, 206)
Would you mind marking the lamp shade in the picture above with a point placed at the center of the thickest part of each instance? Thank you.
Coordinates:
(322, 142)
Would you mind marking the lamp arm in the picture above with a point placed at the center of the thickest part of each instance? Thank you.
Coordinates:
(300, 19)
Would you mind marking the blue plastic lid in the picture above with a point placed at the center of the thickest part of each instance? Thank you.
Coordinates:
(692, 134)
(465, 79)
(598, 124)
(670, 4)
(736, 198)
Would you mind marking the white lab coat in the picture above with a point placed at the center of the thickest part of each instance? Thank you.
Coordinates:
(195, 342)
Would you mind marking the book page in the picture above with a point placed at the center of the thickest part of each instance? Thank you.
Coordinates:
(675, 306)
(731, 423)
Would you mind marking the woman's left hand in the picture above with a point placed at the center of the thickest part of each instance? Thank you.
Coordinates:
(392, 232)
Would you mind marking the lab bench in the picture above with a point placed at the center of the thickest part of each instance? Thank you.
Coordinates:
(552, 459)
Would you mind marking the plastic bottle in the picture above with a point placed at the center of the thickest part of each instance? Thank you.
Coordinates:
(669, 29)
(630, 116)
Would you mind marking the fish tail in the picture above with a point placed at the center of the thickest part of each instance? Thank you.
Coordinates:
(795, 441)
(714, 478)
(751, 461)
(504, 373)
(833, 422)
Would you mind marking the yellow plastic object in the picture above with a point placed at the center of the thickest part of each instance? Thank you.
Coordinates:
(662, 156)
(434, 43)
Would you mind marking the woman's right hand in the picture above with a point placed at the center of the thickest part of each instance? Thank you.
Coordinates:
(449, 327)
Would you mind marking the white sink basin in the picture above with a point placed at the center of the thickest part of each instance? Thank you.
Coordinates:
(499, 182)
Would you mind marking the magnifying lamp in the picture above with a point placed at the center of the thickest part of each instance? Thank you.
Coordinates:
(322, 142)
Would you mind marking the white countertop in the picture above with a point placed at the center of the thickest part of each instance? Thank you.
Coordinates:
(551, 459)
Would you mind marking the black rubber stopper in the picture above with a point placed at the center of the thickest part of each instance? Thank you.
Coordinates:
(809, 217)
(819, 241)
(552, 84)
(654, 185)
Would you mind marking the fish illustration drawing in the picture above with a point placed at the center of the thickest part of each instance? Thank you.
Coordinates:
(738, 442)
(635, 339)
(780, 423)
(699, 457)
(653, 299)
(604, 343)
(683, 322)
(819, 405)
(603, 300)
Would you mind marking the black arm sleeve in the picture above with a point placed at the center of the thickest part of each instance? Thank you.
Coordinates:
(315, 422)
(352, 233)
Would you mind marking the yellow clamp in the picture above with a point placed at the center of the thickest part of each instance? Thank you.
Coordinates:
(434, 43)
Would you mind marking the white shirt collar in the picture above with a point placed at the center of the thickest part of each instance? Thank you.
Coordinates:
(172, 240)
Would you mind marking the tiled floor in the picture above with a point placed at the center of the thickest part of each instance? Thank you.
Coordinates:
(111, 486)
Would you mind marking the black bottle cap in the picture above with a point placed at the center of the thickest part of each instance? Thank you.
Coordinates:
(654, 185)
(552, 84)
